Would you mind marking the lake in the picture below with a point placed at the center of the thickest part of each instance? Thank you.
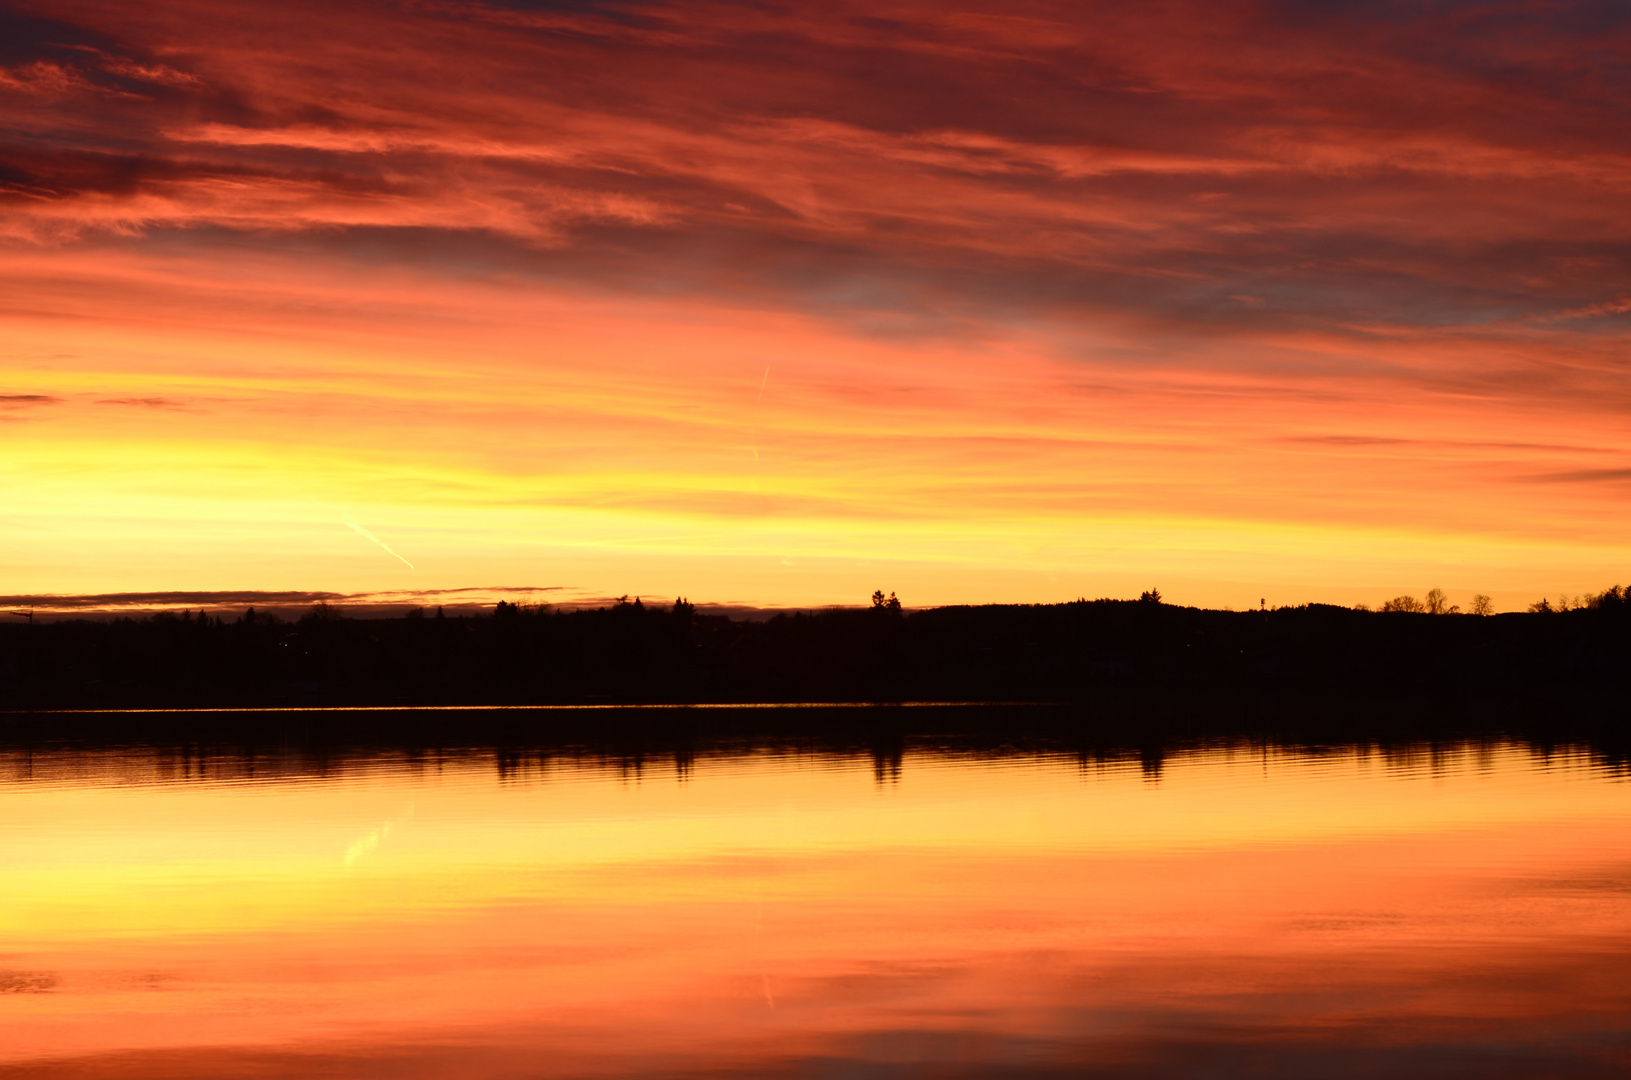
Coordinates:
(776, 909)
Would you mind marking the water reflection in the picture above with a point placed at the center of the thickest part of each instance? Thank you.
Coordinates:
(775, 907)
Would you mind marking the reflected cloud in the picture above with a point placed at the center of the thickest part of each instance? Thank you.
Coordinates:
(994, 912)
(144, 403)
(27, 982)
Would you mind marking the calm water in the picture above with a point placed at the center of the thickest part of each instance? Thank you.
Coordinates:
(1240, 911)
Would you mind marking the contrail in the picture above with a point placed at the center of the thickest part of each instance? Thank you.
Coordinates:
(378, 541)
(756, 402)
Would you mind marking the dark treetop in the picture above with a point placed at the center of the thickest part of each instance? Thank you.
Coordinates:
(1081, 652)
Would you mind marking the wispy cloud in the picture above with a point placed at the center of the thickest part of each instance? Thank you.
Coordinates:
(1329, 168)
(390, 601)
(1583, 476)
(1020, 269)
(1595, 311)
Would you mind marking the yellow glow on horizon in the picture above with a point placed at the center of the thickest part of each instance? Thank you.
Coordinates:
(626, 447)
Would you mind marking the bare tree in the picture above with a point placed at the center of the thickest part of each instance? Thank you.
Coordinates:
(1403, 603)
(1437, 603)
(1481, 605)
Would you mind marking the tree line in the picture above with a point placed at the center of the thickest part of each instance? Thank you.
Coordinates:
(630, 651)
(1437, 602)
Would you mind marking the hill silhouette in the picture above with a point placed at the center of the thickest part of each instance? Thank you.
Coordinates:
(1099, 651)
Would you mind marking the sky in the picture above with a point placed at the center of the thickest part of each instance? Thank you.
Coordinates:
(778, 304)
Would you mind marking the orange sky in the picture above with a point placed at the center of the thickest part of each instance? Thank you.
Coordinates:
(781, 304)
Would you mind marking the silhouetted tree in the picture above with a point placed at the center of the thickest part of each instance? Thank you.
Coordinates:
(1151, 596)
(637, 654)
(1481, 605)
(1436, 603)
(1403, 603)
(321, 612)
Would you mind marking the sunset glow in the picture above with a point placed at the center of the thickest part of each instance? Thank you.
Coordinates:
(779, 304)
(768, 913)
